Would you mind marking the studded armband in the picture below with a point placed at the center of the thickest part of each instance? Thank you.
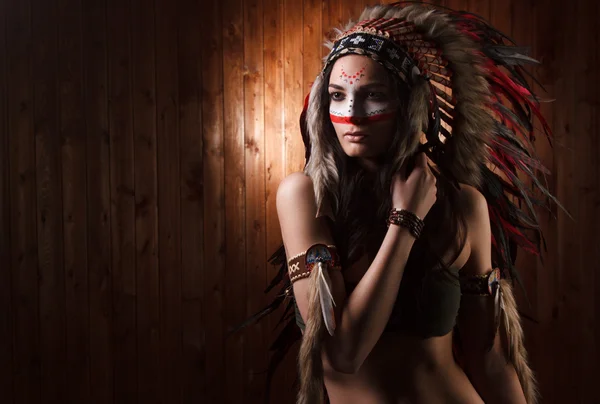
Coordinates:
(481, 285)
(301, 265)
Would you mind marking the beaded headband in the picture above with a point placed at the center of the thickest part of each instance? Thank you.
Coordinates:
(378, 47)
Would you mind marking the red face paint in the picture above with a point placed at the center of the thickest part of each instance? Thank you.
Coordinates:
(352, 78)
(361, 120)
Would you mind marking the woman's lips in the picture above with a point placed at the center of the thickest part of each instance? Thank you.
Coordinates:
(355, 137)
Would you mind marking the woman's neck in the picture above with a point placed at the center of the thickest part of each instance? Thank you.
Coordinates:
(369, 164)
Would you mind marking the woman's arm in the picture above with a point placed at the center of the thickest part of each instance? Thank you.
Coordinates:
(362, 316)
(486, 361)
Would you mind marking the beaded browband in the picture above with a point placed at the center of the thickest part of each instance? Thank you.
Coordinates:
(377, 45)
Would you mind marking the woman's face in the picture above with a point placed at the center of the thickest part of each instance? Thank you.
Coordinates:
(362, 106)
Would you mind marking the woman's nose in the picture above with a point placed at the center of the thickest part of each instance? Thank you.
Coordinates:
(357, 120)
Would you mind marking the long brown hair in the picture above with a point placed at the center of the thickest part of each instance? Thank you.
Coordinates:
(360, 202)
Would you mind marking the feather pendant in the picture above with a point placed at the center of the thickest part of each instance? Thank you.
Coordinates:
(327, 302)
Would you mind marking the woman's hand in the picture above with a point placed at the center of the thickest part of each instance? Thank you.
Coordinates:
(417, 193)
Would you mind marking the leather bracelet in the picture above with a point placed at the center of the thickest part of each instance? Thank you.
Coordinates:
(408, 220)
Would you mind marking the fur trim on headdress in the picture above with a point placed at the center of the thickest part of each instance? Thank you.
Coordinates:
(470, 96)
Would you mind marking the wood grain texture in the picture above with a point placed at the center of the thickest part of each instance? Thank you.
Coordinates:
(294, 93)
(141, 147)
(6, 301)
(522, 33)
(23, 223)
(213, 112)
(72, 130)
(49, 187)
(545, 51)
(274, 159)
(190, 71)
(143, 99)
(234, 71)
(98, 202)
(584, 142)
(169, 174)
(255, 358)
(568, 317)
(122, 199)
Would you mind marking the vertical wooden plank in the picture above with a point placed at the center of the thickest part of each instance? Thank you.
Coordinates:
(293, 91)
(458, 5)
(214, 204)
(351, 10)
(23, 223)
(334, 15)
(324, 28)
(581, 293)
(49, 200)
(98, 201)
(522, 23)
(312, 43)
(146, 211)
(596, 148)
(169, 199)
(73, 134)
(567, 322)
(6, 303)
(545, 52)
(480, 7)
(234, 70)
(122, 202)
(293, 102)
(255, 359)
(273, 39)
(500, 15)
(192, 198)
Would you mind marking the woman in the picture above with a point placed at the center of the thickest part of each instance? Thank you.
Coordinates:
(387, 233)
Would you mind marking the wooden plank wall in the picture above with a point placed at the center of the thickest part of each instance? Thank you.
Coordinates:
(141, 148)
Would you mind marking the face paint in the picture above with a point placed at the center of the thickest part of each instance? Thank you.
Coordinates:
(363, 106)
(359, 121)
(356, 105)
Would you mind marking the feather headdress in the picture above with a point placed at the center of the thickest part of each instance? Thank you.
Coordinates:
(470, 98)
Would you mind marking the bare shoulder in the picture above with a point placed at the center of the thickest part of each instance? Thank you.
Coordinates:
(475, 204)
(296, 195)
(297, 212)
(294, 186)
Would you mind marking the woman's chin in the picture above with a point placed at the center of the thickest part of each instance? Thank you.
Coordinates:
(356, 149)
(359, 150)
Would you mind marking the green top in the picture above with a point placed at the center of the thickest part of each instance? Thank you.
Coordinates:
(426, 305)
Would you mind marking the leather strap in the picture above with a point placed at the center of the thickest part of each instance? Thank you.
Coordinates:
(481, 285)
(301, 265)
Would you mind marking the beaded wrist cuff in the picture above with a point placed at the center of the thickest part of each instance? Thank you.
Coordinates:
(409, 220)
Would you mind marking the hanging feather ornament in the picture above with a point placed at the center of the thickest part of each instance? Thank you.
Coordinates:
(317, 258)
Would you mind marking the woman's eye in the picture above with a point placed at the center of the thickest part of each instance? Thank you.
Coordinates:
(375, 95)
(336, 96)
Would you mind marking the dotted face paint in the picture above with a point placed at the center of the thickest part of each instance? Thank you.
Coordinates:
(355, 104)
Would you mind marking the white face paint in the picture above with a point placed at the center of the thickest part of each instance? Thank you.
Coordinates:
(358, 98)
(362, 105)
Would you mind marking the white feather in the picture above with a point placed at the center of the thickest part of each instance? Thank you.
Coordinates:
(326, 297)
